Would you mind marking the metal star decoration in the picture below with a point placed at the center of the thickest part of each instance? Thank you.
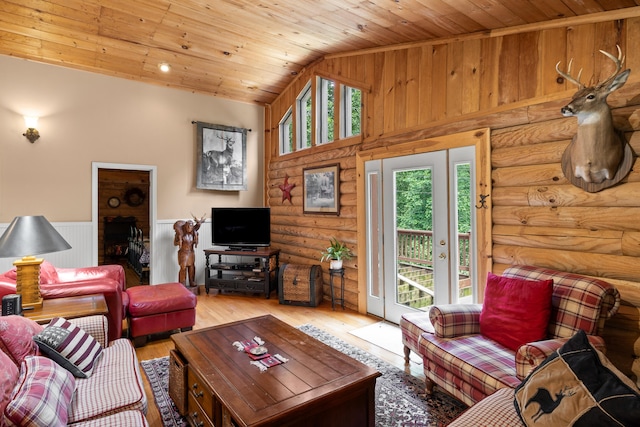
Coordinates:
(286, 189)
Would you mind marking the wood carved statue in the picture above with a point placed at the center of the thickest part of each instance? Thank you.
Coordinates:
(599, 156)
(186, 238)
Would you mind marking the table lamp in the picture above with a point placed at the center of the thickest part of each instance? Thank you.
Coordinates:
(26, 237)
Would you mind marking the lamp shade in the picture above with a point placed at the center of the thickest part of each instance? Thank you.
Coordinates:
(31, 235)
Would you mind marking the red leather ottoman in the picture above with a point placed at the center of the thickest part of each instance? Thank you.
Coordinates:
(159, 308)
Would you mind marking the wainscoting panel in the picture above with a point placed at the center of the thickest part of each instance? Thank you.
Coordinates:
(164, 255)
(78, 234)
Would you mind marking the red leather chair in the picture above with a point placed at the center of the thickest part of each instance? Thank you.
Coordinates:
(108, 280)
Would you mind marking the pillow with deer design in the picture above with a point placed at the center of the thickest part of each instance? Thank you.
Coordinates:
(577, 386)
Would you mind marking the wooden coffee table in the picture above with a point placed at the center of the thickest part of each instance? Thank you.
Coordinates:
(317, 386)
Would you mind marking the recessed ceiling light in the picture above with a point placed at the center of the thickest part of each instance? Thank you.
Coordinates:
(164, 67)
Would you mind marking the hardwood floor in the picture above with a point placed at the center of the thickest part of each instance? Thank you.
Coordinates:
(215, 309)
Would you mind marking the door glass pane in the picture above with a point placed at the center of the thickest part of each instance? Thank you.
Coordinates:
(463, 220)
(374, 221)
(414, 220)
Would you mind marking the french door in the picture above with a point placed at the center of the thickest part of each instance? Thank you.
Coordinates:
(420, 231)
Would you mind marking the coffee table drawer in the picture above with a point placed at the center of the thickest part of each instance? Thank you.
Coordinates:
(201, 399)
(195, 415)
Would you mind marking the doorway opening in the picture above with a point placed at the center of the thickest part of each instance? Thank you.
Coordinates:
(123, 218)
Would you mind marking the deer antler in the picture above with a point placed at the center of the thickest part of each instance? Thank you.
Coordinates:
(199, 220)
(567, 75)
(618, 61)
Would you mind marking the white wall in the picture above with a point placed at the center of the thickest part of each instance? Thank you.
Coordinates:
(87, 117)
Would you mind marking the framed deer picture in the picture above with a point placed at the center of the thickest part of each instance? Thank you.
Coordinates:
(222, 157)
(321, 190)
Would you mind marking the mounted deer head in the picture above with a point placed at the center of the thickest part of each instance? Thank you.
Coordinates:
(593, 159)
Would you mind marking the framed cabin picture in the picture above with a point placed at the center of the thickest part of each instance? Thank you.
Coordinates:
(321, 190)
(222, 157)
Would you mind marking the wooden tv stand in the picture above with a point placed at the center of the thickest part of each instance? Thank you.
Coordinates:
(248, 271)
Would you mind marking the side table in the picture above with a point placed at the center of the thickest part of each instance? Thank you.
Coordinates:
(337, 273)
(68, 307)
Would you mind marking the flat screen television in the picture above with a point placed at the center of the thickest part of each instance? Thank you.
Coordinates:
(241, 228)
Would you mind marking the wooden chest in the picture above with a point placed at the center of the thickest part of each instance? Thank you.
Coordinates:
(300, 284)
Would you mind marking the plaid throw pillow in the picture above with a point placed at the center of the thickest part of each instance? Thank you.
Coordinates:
(70, 346)
(577, 386)
(43, 394)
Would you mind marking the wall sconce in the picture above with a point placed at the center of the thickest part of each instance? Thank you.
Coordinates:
(32, 133)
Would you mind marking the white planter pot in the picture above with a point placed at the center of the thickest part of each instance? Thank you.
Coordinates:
(335, 264)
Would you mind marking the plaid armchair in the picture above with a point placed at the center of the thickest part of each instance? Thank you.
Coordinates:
(471, 366)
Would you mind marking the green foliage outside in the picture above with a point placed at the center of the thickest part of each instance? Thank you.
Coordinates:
(307, 112)
(330, 109)
(414, 198)
(356, 110)
(464, 198)
(353, 113)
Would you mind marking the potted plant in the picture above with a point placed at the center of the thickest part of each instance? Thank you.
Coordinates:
(335, 253)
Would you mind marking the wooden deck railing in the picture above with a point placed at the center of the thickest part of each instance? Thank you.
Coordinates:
(416, 247)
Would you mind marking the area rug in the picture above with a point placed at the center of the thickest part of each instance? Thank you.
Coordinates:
(400, 398)
(387, 336)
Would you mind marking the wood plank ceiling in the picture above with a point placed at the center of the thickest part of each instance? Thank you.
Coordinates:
(247, 50)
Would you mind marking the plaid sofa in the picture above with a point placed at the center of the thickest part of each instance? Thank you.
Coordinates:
(470, 366)
(112, 396)
(496, 410)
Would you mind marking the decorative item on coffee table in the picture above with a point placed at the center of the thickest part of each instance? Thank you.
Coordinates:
(259, 354)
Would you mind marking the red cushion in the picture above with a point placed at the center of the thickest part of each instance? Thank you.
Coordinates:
(48, 273)
(515, 311)
(162, 298)
(16, 337)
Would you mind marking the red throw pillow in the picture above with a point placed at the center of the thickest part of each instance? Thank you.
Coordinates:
(515, 311)
(48, 273)
(16, 337)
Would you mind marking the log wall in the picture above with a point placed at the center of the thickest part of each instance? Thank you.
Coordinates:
(506, 82)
